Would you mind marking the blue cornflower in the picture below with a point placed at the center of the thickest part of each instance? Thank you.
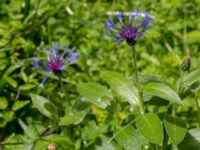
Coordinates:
(55, 62)
(128, 30)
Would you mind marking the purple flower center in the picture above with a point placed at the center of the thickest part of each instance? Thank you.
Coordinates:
(129, 33)
(56, 64)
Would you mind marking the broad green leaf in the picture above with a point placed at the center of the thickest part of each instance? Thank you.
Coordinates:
(176, 129)
(192, 77)
(149, 125)
(106, 145)
(94, 93)
(3, 103)
(121, 85)
(163, 91)
(39, 103)
(191, 140)
(192, 80)
(30, 131)
(145, 79)
(10, 81)
(14, 139)
(27, 86)
(129, 137)
(8, 115)
(60, 141)
(19, 104)
(11, 69)
(193, 36)
(3, 64)
(72, 118)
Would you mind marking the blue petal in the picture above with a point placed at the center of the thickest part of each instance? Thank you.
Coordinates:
(108, 26)
(145, 21)
(142, 33)
(120, 17)
(130, 15)
(134, 37)
(65, 51)
(118, 38)
(62, 68)
(136, 16)
(111, 22)
(43, 81)
(36, 63)
(55, 49)
(72, 57)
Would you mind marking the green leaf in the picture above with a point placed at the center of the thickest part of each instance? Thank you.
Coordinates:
(149, 125)
(72, 118)
(8, 115)
(3, 103)
(145, 79)
(193, 36)
(121, 85)
(129, 137)
(19, 104)
(163, 91)
(10, 81)
(27, 86)
(192, 80)
(30, 131)
(112, 145)
(191, 140)
(94, 93)
(175, 128)
(61, 142)
(39, 102)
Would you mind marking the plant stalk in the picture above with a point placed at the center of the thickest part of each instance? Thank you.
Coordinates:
(141, 103)
(64, 92)
(175, 106)
(180, 82)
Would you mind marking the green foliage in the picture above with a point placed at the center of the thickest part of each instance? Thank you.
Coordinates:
(129, 137)
(150, 127)
(94, 93)
(97, 107)
(162, 91)
(72, 118)
(191, 140)
(176, 129)
(43, 105)
(122, 86)
(3, 103)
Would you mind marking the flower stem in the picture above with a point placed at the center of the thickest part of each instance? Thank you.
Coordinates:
(180, 82)
(64, 92)
(175, 106)
(61, 84)
(141, 104)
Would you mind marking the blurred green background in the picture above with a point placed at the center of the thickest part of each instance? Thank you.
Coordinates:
(29, 26)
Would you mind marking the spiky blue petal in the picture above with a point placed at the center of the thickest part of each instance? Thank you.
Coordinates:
(36, 63)
(120, 17)
(55, 62)
(43, 81)
(128, 32)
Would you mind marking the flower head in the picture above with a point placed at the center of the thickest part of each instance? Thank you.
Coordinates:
(55, 62)
(128, 30)
(185, 66)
